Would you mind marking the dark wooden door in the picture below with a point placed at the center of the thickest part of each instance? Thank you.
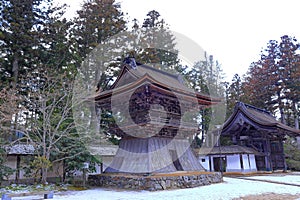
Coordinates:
(260, 163)
(217, 164)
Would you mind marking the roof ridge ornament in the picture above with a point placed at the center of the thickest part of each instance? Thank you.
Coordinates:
(131, 62)
(256, 108)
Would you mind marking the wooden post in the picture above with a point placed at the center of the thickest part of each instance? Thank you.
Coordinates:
(267, 149)
(101, 167)
(84, 177)
(209, 161)
(85, 167)
(283, 154)
(18, 169)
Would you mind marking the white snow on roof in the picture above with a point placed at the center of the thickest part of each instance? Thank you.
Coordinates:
(22, 149)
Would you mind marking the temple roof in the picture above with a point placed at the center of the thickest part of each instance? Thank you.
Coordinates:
(232, 149)
(171, 80)
(104, 150)
(247, 117)
(131, 77)
(20, 149)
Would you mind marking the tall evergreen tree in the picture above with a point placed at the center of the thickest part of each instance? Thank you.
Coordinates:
(289, 68)
(23, 35)
(272, 82)
(235, 91)
(96, 34)
(207, 77)
(160, 43)
(97, 21)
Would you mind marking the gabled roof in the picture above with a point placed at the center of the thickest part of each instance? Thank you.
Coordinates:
(129, 74)
(246, 116)
(130, 78)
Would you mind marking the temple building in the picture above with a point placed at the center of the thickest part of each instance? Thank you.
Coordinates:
(151, 110)
(257, 142)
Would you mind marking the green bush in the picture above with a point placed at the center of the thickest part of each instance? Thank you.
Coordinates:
(292, 153)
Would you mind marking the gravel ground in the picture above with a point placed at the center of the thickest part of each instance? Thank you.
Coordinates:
(231, 188)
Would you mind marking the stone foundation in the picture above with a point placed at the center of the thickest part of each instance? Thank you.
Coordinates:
(156, 181)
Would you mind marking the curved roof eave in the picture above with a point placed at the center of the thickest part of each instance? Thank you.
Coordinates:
(241, 109)
(148, 78)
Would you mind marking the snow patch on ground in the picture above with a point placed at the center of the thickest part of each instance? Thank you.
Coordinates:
(280, 178)
(229, 189)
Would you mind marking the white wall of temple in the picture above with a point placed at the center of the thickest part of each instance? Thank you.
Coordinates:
(252, 162)
(233, 163)
(246, 162)
(212, 163)
(204, 161)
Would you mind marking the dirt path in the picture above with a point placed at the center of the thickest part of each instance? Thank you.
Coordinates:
(269, 196)
(268, 181)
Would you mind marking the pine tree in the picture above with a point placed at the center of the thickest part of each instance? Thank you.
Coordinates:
(207, 77)
(23, 36)
(289, 67)
(272, 82)
(97, 22)
(160, 43)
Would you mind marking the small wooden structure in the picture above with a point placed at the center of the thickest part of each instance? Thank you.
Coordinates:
(257, 129)
(233, 158)
(106, 153)
(150, 108)
(17, 158)
(17, 154)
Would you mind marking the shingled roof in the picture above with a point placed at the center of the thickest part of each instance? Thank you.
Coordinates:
(130, 77)
(227, 150)
(20, 149)
(257, 118)
(172, 80)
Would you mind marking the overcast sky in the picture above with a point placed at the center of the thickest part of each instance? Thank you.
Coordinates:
(234, 31)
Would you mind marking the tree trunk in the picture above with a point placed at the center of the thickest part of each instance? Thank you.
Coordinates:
(281, 108)
(44, 175)
(18, 169)
(64, 171)
(296, 115)
(15, 71)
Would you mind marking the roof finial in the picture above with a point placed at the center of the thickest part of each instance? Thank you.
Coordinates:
(131, 62)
